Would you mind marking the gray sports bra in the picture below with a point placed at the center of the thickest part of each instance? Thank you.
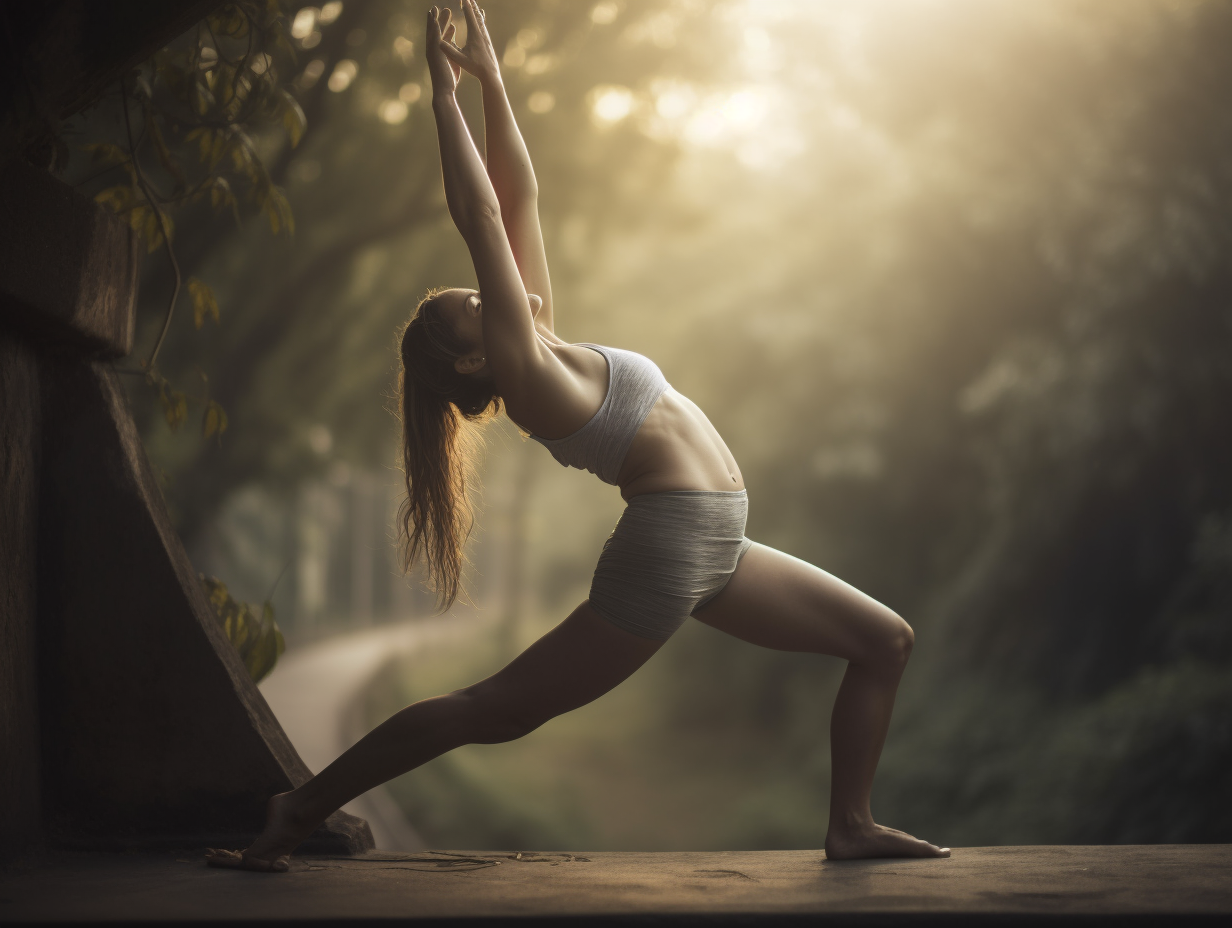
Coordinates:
(634, 385)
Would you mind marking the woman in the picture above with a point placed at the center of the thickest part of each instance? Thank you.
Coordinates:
(679, 548)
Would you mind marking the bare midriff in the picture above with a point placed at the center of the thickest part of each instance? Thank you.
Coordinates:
(677, 449)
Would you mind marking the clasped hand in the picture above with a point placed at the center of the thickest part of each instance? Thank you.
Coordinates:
(446, 61)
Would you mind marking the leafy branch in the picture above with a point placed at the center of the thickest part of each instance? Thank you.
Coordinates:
(257, 638)
(200, 101)
(163, 232)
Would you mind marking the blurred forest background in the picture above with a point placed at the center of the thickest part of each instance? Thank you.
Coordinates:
(954, 280)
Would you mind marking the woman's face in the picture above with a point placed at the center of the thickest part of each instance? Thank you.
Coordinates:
(462, 309)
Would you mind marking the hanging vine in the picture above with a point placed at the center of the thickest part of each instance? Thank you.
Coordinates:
(189, 117)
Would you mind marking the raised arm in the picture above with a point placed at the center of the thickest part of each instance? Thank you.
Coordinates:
(508, 161)
(509, 337)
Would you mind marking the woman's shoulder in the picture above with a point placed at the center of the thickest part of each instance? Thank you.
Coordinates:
(564, 391)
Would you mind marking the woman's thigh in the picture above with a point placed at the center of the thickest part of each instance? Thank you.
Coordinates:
(781, 602)
(575, 663)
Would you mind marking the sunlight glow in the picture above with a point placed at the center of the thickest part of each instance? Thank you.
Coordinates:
(757, 40)
(344, 72)
(604, 13)
(529, 38)
(312, 73)
(515, 52)
(735, 120)
(404, 48)
(305, 20)
(329, 12)
(410, 92)
(673, 99)
(540, 64)
(392, 112)
(541, 102)
(660, 29)
(611, 103)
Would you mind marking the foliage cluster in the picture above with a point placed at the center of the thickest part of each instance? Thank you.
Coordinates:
(197, 104)
(257, 638)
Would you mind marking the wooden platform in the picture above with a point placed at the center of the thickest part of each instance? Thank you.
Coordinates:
(1164, 884)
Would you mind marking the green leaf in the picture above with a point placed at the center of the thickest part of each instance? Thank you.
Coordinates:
(263, 655)
(220, 193)
(151, 230)
(214, 421)
(203, 137)
(278, 209)
(216, 590)
(258, 641)
(243, 156)
(245, 634)
(118, 198)
(222, 81)
(230, 21)
(144, 219)
(203, 95)
(269, 646)
(293, 118)
(204, 302)
(137, 217)
(218, 148)
(175, 408)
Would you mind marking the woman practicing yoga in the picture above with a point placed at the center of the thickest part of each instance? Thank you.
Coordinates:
(678, 550)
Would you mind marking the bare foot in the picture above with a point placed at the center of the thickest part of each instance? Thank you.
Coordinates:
(284, 830)
(878, 841)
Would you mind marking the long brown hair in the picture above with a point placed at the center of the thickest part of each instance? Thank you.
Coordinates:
(438, 448)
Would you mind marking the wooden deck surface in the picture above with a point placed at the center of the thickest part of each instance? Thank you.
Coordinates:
(977, 885)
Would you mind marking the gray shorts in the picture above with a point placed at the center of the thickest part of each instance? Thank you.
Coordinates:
(669, 555)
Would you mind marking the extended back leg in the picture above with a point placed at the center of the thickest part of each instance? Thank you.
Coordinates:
(575, 663)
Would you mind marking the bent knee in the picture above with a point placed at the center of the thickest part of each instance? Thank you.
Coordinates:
(899, 640)
(493, 718)
(889, 647)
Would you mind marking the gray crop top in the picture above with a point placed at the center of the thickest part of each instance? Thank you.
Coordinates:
(634, 385)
